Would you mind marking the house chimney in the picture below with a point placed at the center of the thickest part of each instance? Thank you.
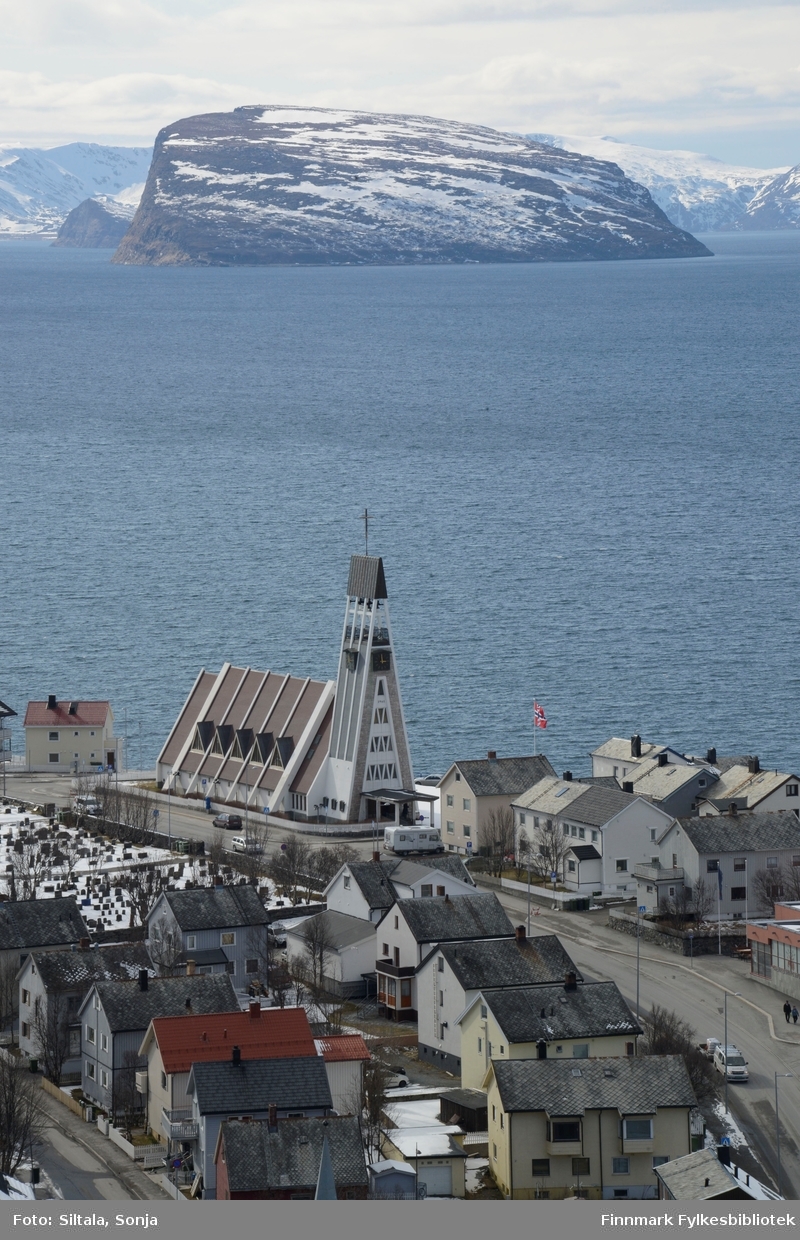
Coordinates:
(734, 809)
(143, 979)
(663, 759)
(73, 708)
(190, 968)
(570, 981)
(188, 1007)
(52, 704)
(217, 880)
(255, 1009)
(627, 786)
(272, 1117)
(753, 766)
(376, 856)
(85, 944)
(567, 777)
(236, 1056)
(636, 746)
(446, 898)
(492, 755)
(711, 756)
(519, 934)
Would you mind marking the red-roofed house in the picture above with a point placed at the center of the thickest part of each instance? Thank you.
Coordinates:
(70, 736)
(345, 1055)
(173, 1043)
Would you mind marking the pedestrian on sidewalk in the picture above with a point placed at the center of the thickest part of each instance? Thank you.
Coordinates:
(787, 1011)
(795, 1013)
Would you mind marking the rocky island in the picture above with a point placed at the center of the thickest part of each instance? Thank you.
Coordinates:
(95, 224)
(287, 185)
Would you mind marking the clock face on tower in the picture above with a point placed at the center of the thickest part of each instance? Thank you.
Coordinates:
(381, 661)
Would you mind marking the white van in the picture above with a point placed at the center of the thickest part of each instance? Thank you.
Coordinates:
(239, 843)
(730, 1062)
(402, 840)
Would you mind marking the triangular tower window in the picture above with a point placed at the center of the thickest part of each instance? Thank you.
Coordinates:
(381, 690)
(236, 752)
(197, 741)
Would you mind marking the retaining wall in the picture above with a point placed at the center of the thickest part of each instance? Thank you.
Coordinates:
(705, 942)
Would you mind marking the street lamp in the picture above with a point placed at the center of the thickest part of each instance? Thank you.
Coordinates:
(778, 1127)
(691, 948)
(737, 994)
(641, 908)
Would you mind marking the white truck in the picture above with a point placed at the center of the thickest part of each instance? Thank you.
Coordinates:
(406, 840)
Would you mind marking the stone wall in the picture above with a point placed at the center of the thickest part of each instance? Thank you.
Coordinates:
(706, 942)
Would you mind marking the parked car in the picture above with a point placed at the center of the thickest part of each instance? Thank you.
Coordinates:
(86, 805)
(730, 1062)
(228, 822)
(276, 934)
(240, 843)
(397, 1080)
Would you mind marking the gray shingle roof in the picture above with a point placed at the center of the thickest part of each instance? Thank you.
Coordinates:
(584, 852)
(504, 776)
(573, 1086)
(252, 1085)
(502, 962)
(375, 877)
(342, 930)
(366, 578)
(550, 1013)
(598, 805)
(410, 870)
(25, 924)
(128, 1008)
(257, 1159)
(697, 1177)
(217, 908)
(439, 920)
(63, 971)
(747, 832)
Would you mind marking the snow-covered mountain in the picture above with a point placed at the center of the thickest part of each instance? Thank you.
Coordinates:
(38, 188)
(313, 185)
(777, 204)
(696, 192)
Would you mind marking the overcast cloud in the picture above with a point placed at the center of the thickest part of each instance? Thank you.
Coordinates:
(721, 77)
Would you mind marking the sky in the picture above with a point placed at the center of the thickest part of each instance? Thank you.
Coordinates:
(722, 78)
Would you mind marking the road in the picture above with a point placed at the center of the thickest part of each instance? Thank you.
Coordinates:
(697, 995)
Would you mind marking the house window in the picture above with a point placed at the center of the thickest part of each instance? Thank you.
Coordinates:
(191, 942)
(385, 949)
(573, 832)
(90, 1069)
(622, 865)
(564, 1130)
(25, 1029)
(494, 1113)
(581, 833)
(712, 865)
(701, 783)
(53, 757)
(620, 1166)
(91, 733)
(738, 893)
(566, 829)
(74, 1043)
(440, 964)
(451, 827)
(740, 863)
(163, 1080)
(540, 1166)
(580, 1050)
(467, 831)
(791, 790)
(571, 867)
(104, 1041)
(441, 998)
(104, 1079)
(796, 859)
(522, 820)
(450, 799)
(494, 1151)
(52, 736)
(347, 882)
(230, 966)
(480, 1046)
(426, 890)
(620, 1193)
(90, 1035)
(502, 1121)
(580, 1166)
(652, 835)
(638, 1129)
(26, 998)
(440, 891)
(660, 1159)
(397, 923)
(772, 863)
(251, 966)
(441, 1033)
(484, 1012)
(594, 837)
(227, 938)
(467, 803)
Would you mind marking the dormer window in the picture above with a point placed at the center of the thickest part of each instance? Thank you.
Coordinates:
(347, 882)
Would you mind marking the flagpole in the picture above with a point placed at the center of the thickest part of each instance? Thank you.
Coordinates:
(534, 727)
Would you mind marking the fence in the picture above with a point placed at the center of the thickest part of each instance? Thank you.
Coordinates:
(60, 1096)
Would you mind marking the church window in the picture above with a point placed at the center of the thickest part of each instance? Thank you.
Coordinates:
(299, 801)
(381, 691)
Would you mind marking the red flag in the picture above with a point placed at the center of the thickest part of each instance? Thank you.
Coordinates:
(539, 720)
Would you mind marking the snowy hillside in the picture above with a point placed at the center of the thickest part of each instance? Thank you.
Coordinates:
(38, 188)
(777, 204)
(696, 192)
(312, 185)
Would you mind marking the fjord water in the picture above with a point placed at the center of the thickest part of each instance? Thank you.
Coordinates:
(583, 479)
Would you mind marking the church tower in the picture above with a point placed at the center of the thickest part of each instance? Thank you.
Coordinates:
(370, 763)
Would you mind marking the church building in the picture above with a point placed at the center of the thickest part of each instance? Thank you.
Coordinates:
(308, 749)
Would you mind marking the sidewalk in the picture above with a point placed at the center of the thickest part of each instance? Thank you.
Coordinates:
(140, 1185)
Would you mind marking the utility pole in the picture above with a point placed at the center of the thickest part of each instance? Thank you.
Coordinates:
(641, 908)
(737, 995)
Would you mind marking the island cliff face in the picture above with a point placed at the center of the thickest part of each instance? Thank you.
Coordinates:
(95, 225)
(267, 185)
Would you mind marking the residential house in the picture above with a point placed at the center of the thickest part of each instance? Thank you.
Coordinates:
(70, 736)
(775, 948)
(703, 1176)
(569, 1021)
(114, 1017)
(412, 928)
(173, 1043)
(747, 787)
(603, 833)
(38, 925)
(435, 1154)
(675, 787)
(594, 1128)
(367, 889)
(452, 974)
(222, 929)
(472, 791)
(52, 986)
(619, 757)
(281, 1162)
(344, 1056)
(711, 863)
(251, 1089)
(345, 947)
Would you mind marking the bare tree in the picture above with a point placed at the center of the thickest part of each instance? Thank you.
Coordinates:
(21, 1121)
(523, 854)
(67, 855)
(770, 885)
(373, 1105)
(667, 1034)
(328, 860)
(51, 1032)
(165, 947)
(9, 990)
(549, 847)
(280, 980)
(217, 852)
(143, 885)
(291, 865)
(28, 862)
(126, 1100)
(496, 837)
(316, 950)
(253, 864)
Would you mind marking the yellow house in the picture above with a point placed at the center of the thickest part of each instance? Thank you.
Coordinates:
(567, 1021)
(70, 736)
(596, 1128)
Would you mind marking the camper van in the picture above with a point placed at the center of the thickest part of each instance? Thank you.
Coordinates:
(405, 840)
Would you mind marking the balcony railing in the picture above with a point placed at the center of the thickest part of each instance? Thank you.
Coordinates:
(389, 969)
(658, 874)
(179, 1125)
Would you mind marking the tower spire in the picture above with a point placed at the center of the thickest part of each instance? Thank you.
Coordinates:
(365, 518)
